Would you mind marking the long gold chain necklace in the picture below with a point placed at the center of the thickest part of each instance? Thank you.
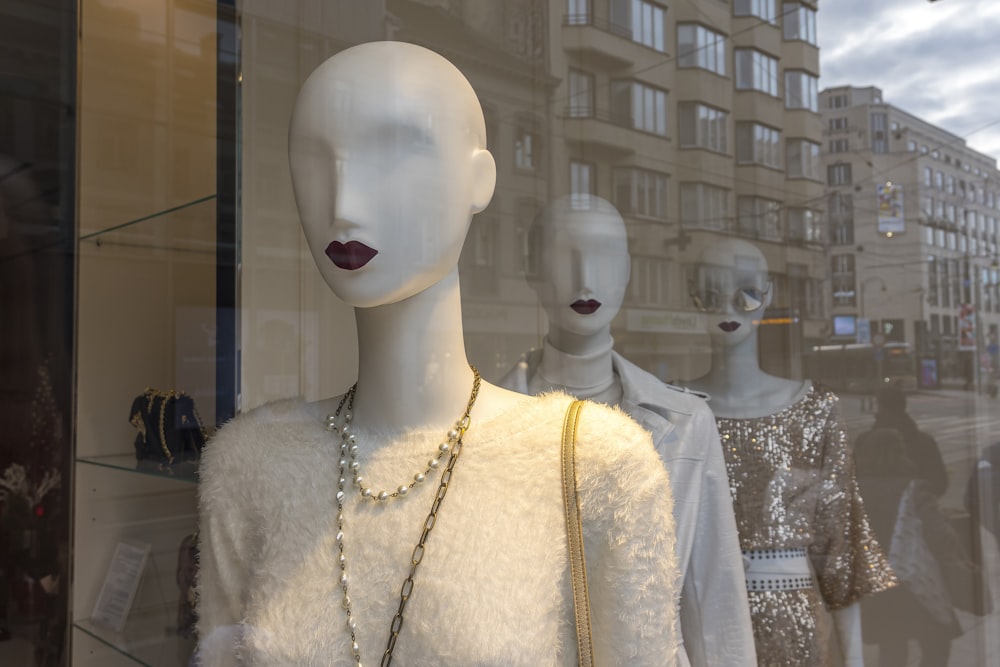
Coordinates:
(452, 447)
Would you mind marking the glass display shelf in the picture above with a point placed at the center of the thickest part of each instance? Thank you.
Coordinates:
(149, 638)
(184, 472)
(167, 214)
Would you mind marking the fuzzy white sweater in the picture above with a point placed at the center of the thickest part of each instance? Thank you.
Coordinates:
(494, 584)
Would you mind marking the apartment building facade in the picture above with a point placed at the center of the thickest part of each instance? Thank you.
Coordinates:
(913, 215)
(698, 120)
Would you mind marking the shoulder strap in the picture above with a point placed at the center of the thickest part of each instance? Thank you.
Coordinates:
(574, 530)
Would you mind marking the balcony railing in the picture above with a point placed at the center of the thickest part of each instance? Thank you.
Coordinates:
(601, 24)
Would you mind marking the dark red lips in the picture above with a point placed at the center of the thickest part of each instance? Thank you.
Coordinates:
(585, 307)
(351, 255)
(729, 327)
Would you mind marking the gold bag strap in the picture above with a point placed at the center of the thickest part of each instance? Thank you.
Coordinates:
(574, 531)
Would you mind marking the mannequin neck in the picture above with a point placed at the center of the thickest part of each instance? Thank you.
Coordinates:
(583, 375)
(581, 345)
(735, 369)
(412, 366)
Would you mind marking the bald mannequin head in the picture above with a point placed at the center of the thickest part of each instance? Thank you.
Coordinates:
(731, 286)
(387, 148)
(583, 263)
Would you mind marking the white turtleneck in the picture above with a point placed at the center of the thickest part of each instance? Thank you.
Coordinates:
(590, 376)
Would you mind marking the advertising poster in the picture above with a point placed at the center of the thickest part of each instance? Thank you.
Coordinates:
(890, 208)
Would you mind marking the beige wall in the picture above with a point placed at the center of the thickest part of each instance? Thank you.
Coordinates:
(146, 309)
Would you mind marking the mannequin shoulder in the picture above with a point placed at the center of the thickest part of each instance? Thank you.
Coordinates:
(611, 445)
(260, 435)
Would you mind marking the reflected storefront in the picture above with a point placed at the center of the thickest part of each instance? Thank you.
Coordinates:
(793, 288)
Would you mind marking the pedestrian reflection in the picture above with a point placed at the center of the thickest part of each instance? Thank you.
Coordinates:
(904, 513)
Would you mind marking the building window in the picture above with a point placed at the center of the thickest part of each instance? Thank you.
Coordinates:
(648, 281)
(757, 217)
(801, 91)
(911, 146)
(939, 180)
(479, 258)
(640, 192)
(703, 127)
(839, 146)
(756, 70)
(803, 225)
(802, 159)
(698, 46)
(704, 206)
(526, 144)
(492, 132)
(581, 94)
(804, 293)
(839, 123)
(880, 135)
(928, 177)
(843, 280)
(641, 21)
(838, 101)
(838, 174)
(528, 237)
(949, 184)
(639, 106)
(582, 183)
(577, 12)
(799, 22)
(840, 211)
(766, 10)
(758, 144)
(932, 281)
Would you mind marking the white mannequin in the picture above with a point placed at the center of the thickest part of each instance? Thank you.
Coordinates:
(388, 160)
(412, 283)
(584, 270)
(735, 382)
(584, 260)
(735, 379)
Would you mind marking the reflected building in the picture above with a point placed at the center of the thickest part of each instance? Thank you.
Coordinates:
(699, 121)
(913, 234)
(501, 48)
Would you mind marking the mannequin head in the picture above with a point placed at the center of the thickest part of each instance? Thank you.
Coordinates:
(387, 148)
(731, 286)
(583, 263)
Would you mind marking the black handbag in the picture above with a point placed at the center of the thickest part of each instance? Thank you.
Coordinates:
(170, 430)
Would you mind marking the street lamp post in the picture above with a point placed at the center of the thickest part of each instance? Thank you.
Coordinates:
(861, 293)
(877, 339)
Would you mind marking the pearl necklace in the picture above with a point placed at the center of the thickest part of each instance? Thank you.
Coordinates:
(348, 452)
(348, 439)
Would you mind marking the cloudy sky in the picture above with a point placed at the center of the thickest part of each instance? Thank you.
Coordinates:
(939, 61)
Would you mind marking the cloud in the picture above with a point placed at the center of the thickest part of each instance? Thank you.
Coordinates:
(937, 61)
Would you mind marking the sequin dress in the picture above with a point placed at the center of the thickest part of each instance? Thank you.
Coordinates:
(791, 475)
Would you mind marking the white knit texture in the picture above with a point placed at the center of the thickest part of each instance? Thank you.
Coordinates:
(493, 588)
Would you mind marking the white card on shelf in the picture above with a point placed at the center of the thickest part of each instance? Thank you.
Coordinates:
(120, 585)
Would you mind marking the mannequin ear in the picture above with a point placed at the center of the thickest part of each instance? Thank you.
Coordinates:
(484, 179)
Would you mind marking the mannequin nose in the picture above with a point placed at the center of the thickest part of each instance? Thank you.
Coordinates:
(345, 193)
(584, 272)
